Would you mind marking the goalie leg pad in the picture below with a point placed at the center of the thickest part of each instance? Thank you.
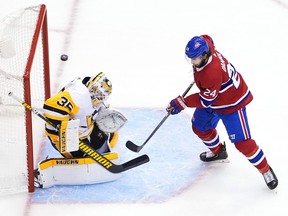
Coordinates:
(76, 171)
(113, 139)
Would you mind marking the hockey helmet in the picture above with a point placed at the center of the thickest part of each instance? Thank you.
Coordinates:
(100, 88)
(196, 47)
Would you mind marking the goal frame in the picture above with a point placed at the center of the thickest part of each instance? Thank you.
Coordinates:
(41, 32)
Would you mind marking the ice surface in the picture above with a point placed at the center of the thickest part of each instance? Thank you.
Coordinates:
(140, 45)
(173, 165)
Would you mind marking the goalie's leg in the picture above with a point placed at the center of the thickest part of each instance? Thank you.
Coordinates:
(113, 139)
(99, 140)
(74, 171)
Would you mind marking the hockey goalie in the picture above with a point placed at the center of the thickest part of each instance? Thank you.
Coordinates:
(81, 113)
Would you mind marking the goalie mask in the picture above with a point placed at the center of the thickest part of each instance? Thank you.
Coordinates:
(100, 88)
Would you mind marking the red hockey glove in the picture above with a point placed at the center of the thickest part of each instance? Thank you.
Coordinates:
(176, 105)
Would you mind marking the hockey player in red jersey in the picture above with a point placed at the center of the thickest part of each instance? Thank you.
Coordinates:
(223, 96)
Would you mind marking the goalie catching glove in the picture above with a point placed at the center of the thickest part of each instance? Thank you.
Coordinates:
(109, 120)
(176, 105)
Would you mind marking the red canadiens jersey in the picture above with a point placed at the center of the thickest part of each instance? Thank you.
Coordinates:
(221, 87)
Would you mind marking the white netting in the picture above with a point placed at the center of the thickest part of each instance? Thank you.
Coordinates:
(16, 35)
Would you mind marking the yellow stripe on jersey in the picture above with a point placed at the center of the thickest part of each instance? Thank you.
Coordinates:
(75, 161)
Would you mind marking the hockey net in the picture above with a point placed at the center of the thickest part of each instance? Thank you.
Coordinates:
(24, 70)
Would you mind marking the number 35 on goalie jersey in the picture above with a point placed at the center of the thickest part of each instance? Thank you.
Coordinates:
(72, 102)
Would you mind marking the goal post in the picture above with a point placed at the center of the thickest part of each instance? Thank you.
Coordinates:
(24, 70)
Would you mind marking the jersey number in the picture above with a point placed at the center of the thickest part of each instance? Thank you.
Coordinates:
(233, 75)
(65, 103)
(208, 93)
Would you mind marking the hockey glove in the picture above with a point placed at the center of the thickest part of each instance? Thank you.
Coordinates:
(176, 105)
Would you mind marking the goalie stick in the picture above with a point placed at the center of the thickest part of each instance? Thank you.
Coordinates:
(100, 159)
(135, 148)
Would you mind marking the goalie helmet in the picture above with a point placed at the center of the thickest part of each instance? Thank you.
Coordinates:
(100, 88)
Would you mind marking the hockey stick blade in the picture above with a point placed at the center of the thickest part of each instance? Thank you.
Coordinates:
(133, 147)
(135, 162)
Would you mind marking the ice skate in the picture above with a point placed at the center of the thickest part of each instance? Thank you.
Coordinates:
(270, 179)
(209, 156)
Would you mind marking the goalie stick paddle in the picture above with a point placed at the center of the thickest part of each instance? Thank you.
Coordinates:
(100, 159)
(135, 148)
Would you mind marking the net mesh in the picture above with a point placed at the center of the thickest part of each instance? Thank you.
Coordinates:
(16, 38)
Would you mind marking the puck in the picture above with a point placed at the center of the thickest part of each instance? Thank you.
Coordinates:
(64, 57)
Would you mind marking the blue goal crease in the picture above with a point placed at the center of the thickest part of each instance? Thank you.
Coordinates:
(173, 165)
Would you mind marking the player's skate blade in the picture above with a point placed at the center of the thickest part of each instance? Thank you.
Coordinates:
(210, 156)
(270, 179)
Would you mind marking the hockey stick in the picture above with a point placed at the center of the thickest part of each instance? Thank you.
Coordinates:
(9, 75)
(104, 162)
(133, 147)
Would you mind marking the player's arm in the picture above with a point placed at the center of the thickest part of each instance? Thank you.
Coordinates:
(204, 99)
(209, 92)
(58, 110)
(60, 107)
(207, 95)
